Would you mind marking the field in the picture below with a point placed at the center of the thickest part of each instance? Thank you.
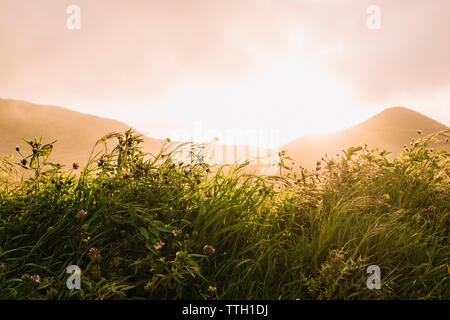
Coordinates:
(147, 227)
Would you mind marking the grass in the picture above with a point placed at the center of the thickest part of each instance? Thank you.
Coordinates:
(146, 227)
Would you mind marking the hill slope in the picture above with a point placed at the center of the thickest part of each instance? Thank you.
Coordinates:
(76, 133)
(390, 130)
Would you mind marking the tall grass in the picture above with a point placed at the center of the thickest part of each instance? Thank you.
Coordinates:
(146, 227)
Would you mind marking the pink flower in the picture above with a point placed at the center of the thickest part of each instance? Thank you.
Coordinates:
(431, 208)
(176, 232)
(81, 213)
(209, 249)
(36, 279)
(93, 251)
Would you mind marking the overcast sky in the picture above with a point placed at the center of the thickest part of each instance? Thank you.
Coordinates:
(296, 66)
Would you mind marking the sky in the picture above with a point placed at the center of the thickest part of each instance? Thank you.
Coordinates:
(279, 69)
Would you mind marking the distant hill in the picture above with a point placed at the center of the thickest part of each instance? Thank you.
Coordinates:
(76, 133)
(389, 130)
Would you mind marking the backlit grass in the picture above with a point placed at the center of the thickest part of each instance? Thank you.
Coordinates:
(146, 227)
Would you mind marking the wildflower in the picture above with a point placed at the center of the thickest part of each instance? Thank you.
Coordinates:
(10, 156)
(209, 249)
(159, 245)
(87, 239)
(187, 171)
(419, 131)
(176, 232)
(95, 256)
(432, 208)
(125, 175)
(17, 148)
(24, 162)
(387, 196)
(36, 279)
(81, 214)
(212, 289)
(168, 140)
(75, 166)
(93, 251)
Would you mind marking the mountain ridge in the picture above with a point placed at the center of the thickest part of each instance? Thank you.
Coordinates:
(391, 129)
(77, 132)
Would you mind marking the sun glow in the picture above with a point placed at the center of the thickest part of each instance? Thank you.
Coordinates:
(290, 94)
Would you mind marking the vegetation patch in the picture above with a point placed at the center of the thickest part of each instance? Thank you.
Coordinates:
(143, 226)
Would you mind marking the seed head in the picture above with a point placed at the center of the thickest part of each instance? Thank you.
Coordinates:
(148, 286)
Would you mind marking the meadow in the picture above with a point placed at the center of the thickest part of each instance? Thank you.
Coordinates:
(144, 226)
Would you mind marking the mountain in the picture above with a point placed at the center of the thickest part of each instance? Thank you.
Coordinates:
(389, 130)
(75, 132)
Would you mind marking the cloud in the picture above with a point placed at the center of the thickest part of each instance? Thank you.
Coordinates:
(409, 54)
(142, 49)
(134, 47)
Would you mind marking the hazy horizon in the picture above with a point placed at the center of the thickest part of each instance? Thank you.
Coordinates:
(292, 67)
